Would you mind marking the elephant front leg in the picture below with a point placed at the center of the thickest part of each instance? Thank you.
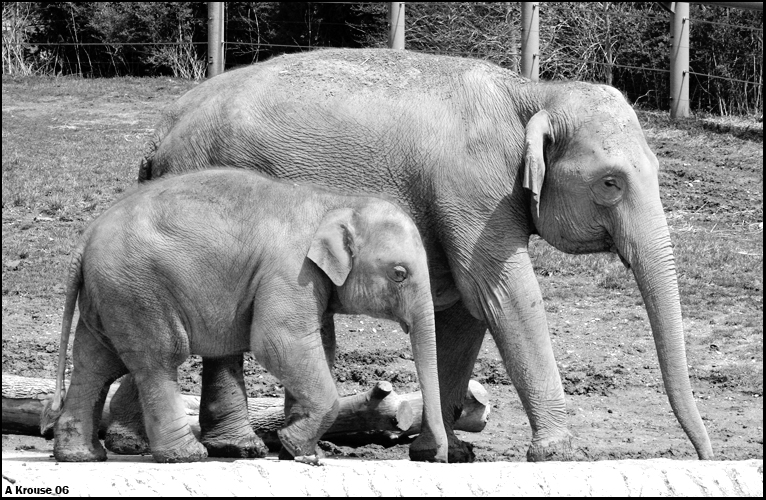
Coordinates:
(283, 453)
(223, 418)
(517, 321)
(328, 344)
(312, 400)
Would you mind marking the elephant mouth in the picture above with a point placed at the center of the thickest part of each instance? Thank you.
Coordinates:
(405, 327)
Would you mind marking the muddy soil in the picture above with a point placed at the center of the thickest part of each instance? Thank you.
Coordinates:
(616, 405)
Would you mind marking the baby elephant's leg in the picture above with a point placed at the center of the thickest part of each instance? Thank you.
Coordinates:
(223, 418)
(289, 402)
(155, 370)
(96, 366)
(224, 422)
(300, 364)
(328, 343)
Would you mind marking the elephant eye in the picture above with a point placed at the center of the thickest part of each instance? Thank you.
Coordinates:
(608, 190)
(398, 273)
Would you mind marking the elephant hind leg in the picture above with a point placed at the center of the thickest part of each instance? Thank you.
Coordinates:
(126, 433)
(223, 418)
(154, 367)
(167, 426)
(96, 366)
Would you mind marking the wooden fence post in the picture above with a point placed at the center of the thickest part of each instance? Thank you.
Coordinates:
(214, 39)
(679, 61)
(514, 48)
(396, 25)
(530, 40)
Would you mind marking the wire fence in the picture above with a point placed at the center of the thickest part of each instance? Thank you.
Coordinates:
(68, 66)
(490, 32)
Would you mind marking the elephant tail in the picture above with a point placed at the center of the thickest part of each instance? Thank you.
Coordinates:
(145, 169)
(147, 161)
(148, 169)
(54, 406)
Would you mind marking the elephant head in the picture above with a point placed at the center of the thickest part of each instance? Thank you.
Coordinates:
(376, 260)
(594, 188)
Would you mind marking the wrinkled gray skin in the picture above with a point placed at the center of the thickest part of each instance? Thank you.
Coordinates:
(224, 261)
(482, 159)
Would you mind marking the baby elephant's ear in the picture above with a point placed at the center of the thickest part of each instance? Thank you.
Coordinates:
(332, 248)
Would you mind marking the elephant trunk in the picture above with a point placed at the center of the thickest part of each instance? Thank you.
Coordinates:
(648, 251)
(423, 338)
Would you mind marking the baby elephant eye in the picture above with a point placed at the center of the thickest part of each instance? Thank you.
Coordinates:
(398, 273)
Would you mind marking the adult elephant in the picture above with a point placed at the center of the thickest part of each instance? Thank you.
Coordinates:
(483, 159)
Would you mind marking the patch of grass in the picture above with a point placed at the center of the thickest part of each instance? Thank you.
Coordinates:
(55, 205)
(551, 262)
(70, 145)
(700, 125)
(720, 269)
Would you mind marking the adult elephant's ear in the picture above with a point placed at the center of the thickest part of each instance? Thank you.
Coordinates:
(538, 128)
(332, 248)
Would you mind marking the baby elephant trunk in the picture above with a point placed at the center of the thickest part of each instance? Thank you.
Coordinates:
(431, 445)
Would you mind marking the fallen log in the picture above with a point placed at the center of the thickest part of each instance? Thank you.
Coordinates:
(473, 418)
(379, 415)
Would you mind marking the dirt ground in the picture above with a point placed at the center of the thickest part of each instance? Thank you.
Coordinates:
(617, 409)
(711, 180)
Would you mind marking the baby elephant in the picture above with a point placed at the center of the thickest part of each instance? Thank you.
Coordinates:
(223, 261)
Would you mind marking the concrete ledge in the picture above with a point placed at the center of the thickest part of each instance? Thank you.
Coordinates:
(134, 475)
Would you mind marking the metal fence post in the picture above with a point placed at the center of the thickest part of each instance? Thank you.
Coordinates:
(214, 39)
(396, 25)
(530, 40)
(679, 61)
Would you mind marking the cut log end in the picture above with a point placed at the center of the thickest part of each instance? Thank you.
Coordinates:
(381, 390)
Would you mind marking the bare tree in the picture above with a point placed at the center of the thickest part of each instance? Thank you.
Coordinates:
(18, 22)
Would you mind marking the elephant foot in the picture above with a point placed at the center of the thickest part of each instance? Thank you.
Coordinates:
(250, 447)
(73, 444)
(126, 439)
(558, 448)
(458, 452)
(295, 447)
(424, 449)
(64, 453)
(193, 451)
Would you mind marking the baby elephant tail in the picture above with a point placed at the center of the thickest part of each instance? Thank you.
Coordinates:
(54, 406)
